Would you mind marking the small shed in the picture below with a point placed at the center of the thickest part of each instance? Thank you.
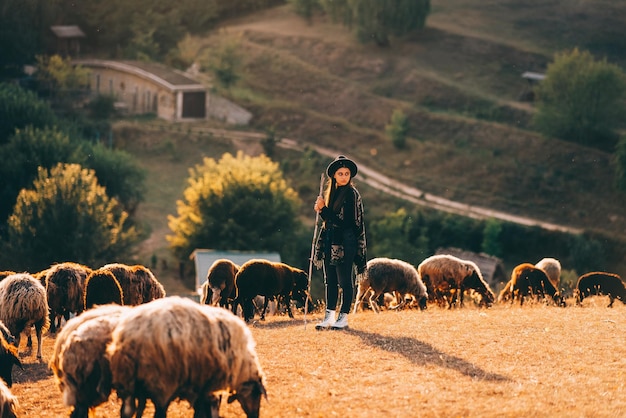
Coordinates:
(492, 268)
(68, 39)
(204, 259)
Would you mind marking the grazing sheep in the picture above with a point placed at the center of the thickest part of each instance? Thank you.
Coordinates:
(8, 356)
(174, 348)
(152, 288)
(266, 278)
(102, 288)
(446, 277)
(23, 303)
(79, 364)
(528, 280)
(220, 283)
(391, 275)
(601, 283)
(132, 285)
(552, 268)
(65, 286)
(8, 402)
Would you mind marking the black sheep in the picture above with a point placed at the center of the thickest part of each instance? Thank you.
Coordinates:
(269, 279)
(601, 283)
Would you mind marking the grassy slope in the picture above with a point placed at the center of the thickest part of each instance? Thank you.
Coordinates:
(313, 82)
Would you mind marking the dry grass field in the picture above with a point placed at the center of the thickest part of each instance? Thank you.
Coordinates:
(506, 361)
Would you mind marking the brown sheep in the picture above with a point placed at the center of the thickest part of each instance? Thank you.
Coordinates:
(220, 283)
(23, 303)
(601, 283)
(133, 286)
(391, 275)
(8, 356)
(79, 364)
(528, 280)
(152, 288)
(176, 348)
(65, 286)
(447, 278)
(102, 288)
(269, 279)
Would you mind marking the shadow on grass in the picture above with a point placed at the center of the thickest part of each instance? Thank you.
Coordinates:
(421, 353)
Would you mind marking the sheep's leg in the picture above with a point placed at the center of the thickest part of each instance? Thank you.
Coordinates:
(611, 299)
(160, 411)
(79, 411)
(265, 303)
(38, 328)
(373, 303)
(287, 300)
(359, 295)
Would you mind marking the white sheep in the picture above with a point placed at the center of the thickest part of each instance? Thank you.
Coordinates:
(24, 303)
(391, 275)
(8, 402)
(552, 268)
(176, 348)
(79, 364)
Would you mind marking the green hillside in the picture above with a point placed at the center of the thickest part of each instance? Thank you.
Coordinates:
(459, 82)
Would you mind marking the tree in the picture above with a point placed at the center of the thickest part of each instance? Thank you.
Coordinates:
(19, 108)
(581, 99)
(390, 237)
(236, 203)
(58, 75)
(619, 164)
(66, 216)
(491, 237)
(224, 61)
(398, 128)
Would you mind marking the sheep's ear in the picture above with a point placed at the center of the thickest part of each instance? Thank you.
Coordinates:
(232, 398)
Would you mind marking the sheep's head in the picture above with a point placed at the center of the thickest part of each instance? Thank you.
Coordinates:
(249, 397)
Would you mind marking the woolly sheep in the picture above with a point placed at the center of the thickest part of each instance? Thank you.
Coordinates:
(601, 283)
(102, 288)
(176, 348)
(23, 303)
(5, 273)
(220, 283)
(8, 402)
(79, 364)
(447, 278)
(64, 286)
(552, 268)
(132, 285)
(269, 279)
(391, 275)
(152, 288)
(528, 280)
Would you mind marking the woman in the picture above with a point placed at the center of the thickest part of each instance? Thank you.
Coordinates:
(341, 243)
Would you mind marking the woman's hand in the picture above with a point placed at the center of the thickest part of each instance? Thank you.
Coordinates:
(319, 204)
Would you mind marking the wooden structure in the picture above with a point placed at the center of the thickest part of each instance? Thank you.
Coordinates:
(68, 40)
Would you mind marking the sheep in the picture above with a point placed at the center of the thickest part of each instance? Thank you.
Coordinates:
(391, 275)
(552, 268)
(600, 283)
(101, 288)
(5, 273)
(8, 356)
(176, 348)
(79, 364)
(132, 285)
(220, 283)
(23, 303)
(9, 404)
(526, 280)
(152, 288)
(266, 278)
(447, 277)
(64, 285)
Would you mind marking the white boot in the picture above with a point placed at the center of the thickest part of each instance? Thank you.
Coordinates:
(329, 320)
(342, 321)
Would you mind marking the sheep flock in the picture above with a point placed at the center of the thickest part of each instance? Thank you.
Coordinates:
(116, 332)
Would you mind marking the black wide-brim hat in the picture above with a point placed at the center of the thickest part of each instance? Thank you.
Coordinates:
(339, 162)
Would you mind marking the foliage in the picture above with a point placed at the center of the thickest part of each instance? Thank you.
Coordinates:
(619, 164)
(18, 35)
(491, 237)
(19, 108)
(581, 99)
(57, 74)
(398, 128)
(119, 173)
(66, 216)
(389, 237)
(236, 203)
(305, 8)
(102, 107)
(22, 156)
(224, 61)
